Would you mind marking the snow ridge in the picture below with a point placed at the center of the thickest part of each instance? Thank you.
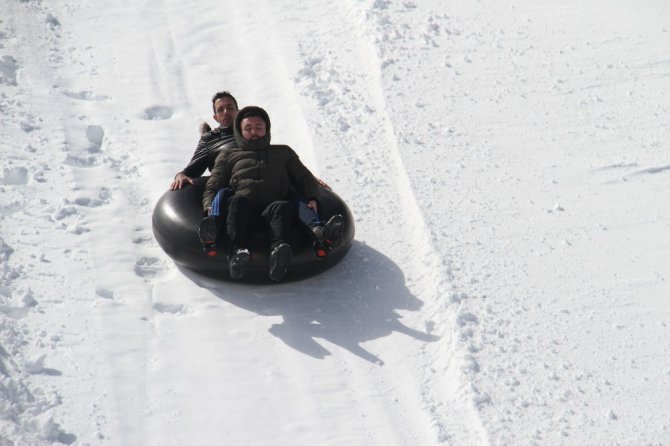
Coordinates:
(434, 275)
(369, 140)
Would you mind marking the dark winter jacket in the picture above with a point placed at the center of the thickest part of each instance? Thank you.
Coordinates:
(258, 170)
(210, 145)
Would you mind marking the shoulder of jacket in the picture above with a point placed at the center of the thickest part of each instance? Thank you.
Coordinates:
(209, 136)
(213, 134)
(284, 148)
(231, 152)
(222, 155)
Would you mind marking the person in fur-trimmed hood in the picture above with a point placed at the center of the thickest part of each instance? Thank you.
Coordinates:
(262, 176)
(212, 141)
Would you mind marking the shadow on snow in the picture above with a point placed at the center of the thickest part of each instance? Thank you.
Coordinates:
(354, 302)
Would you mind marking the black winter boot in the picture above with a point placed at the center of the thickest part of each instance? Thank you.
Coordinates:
(207, 231)
(328, 235)
(236, 263)
(280, 258)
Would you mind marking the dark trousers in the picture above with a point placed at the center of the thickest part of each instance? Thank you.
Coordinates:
(242, 212)
(221, 203)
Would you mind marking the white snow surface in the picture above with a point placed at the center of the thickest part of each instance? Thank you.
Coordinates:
(508, 166)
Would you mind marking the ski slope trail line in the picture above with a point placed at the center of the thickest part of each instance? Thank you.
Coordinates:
(348, 105)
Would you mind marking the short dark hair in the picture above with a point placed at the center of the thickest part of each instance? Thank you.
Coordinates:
(223, 94)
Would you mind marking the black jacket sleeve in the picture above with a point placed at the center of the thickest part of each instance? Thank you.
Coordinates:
(301, 177)
(209, 146)
(200, 160)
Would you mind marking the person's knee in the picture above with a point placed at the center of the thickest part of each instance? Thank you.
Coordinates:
(284, 206)
(239, 202)
(277, 208)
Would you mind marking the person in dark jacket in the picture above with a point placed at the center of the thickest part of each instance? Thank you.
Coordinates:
(262, 176)
(212, 141)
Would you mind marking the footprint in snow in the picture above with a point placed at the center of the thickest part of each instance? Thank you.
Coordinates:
(141, 237)
(90, 147)
(80, 160)
(8, 69)
(157, 113)
(95, 134)
(105, 293)
(170, 308)
(52, 22)
(104, 197)
(28, 124)
(15, 176)
(467, 319)
(148, 267)
(64, 212)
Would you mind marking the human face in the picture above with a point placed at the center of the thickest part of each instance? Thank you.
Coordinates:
(225, 111)
(253, 127)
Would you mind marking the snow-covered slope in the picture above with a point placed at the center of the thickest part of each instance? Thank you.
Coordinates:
(506, 165)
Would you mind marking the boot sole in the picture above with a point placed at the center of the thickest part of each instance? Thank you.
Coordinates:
(333, 229)
(332, 232)
(237, 263)
(279, 260)
(207, 233)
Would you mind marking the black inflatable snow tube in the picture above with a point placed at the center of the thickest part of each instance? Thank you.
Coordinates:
(177, 216)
